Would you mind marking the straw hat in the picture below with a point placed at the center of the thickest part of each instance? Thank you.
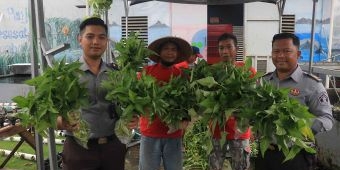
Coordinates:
(184, 48)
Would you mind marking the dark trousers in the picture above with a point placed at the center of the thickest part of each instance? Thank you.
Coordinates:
(108, 156)
(273, 159)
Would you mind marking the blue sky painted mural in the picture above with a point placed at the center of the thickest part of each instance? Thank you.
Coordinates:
(303, 24)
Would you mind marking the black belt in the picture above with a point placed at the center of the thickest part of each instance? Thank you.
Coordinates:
(99, 141)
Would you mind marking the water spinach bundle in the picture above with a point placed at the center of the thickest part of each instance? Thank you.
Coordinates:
(275, 117)
(136, 93)
(125, 88)
(223, 90)
(57, 92)
(99, 6)
(220, 90)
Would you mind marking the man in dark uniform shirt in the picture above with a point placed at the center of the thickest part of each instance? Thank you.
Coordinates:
(104, 151)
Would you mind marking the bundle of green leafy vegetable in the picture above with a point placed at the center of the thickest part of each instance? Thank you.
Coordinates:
(99, 6)
(277, 117)
(180, 100)
(132, 96)
(133, 54)
(136, 93)
(57, 92)
(125, 88)
(223, 90)
(219, 91)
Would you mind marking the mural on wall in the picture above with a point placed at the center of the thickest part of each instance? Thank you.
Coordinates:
(336, 33)
(164, 19)
(303, 25)
(62, 27)
(63, 30)
(14, 32)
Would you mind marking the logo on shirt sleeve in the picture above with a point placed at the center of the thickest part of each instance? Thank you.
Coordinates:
(323, 99)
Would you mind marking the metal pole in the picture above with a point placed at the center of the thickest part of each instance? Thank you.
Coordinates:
(39, 8)
(52, 149)
(331, 28)
(280, 6)
(34, 52)
(330, 40)
(312, 39)
(280, 23)
(107, 57)
(39, 11)
(12, 153)
(88, 10)
(33, 41)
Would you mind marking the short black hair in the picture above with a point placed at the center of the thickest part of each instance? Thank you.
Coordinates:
(92, 21)
(227, 36)
(280, 36)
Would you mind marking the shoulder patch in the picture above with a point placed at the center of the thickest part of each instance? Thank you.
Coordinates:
(323, 99)
(312, 76)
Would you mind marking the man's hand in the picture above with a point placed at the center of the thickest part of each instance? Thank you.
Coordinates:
(63, 124)
(133, 124)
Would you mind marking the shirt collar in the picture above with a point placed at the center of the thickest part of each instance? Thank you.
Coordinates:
(85, 67)
(296, 75)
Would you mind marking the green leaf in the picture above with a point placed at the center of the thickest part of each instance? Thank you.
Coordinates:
(292, 153)
(264, 144)
(280, 131)
(21, 101)
(207, 82)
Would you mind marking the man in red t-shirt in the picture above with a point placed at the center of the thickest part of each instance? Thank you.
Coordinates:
(156, 142)
(237, 142)
(191, 61)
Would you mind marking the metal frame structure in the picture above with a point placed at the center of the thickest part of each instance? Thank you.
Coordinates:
(42, 53)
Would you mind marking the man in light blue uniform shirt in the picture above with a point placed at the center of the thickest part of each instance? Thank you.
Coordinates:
(307, 88)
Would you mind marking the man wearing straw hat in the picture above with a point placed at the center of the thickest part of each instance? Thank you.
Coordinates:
(157, 144)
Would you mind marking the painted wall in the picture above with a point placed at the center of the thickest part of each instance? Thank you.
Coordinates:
(336, 31)
(165, 19)
(303, 24)
(260, 26)
(14, 33)
(63, 17)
